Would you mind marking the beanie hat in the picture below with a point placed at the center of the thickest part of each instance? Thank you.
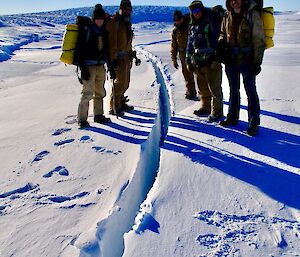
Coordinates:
(125, 4)
(196, 5)
(98, 12)
(177, 15)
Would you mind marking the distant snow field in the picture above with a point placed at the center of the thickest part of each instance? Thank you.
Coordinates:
(158, 181)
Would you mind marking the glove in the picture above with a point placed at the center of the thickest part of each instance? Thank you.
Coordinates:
(138, 62)
(85, 75)
(175, 64)
(191, 68)
(256, 69)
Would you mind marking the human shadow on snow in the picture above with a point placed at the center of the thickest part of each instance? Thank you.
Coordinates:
(277, 183)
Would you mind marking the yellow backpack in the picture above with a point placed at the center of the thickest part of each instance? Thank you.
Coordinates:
(69, 44)
(267, 16)
(74, 35)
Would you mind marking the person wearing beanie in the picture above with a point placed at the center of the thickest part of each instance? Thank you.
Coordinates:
(93, 55)
(178, 46)
(242, 44)
(201, 58)
(121, 54)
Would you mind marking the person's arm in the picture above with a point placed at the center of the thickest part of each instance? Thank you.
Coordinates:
(174, 46)
(258, 39)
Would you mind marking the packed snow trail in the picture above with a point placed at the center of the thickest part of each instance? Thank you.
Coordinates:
(111, 230)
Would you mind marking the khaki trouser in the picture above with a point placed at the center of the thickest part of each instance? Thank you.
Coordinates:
(121, 83)
(92, 88)
(188, 76)
(209, 80)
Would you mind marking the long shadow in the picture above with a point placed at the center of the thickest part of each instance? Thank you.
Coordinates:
(283, 117)
(279, 184)
(278, 145)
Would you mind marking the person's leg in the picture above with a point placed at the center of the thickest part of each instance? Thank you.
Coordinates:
(204, 92)
(118, 85)
(99, 90)
(86, 95)
(189, 79)
(214, 77)
(233, 75)
(253, 100)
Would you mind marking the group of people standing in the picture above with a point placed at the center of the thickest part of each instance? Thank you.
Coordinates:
(203, 40)
(208, 37)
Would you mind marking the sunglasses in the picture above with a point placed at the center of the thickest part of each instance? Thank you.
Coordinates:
(196, 10)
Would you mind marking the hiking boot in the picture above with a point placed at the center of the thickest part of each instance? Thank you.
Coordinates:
(253, 130)
(201, 112)
(191, 97)
(127, 108)
(83, 124)
(228, 122)
(119, 113)
(101, 119)
(214, 118)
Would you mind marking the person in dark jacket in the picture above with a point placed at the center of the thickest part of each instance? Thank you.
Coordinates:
(201, 58)
(92, 57)
(178, 47)
(242, 45)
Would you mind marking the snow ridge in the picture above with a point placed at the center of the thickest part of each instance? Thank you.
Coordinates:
(121, 219)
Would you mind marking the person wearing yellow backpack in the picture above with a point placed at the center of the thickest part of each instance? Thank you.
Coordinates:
(92, 54)
(241, 47)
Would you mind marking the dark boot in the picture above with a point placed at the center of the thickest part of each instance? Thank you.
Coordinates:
(202, 112)
(214, 118)
(83, 124)
(253, 130)
(101, 119)
(118, 113)
(127, 108)
(229, 122)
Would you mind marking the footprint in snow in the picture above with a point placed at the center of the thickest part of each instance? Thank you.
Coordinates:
(103, 150)
(40, 156)
(59, 169)
(86, 139)
(235, 229)
(21, 190)
(61, 199)
(60, 131)
(64, 142)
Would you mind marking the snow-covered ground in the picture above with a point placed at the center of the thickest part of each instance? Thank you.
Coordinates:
(157, 182)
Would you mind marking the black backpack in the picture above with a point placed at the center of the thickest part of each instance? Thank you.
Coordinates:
(84, 24)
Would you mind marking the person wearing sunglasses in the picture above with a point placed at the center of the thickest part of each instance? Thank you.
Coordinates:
(242, 43)
(120, 36)
(178, 47)
(201, 59)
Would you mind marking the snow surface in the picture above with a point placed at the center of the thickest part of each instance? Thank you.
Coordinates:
(157, 182)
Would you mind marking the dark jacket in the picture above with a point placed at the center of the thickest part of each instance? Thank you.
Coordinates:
(93, 46)
(180, 39)
(202, 39)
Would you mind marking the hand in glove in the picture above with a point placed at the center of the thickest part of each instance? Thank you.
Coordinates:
(175, 64)
(138, 62)
(256, 69)
(85, 75)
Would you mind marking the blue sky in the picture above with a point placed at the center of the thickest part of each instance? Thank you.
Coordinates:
(24, 6)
